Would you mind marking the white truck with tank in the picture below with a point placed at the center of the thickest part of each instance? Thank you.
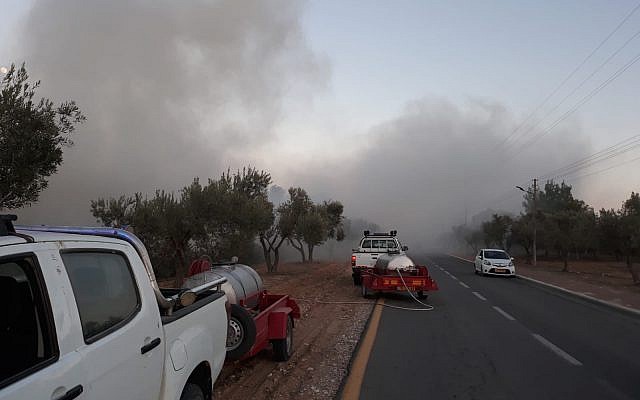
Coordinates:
(83, 318)
(373, 245)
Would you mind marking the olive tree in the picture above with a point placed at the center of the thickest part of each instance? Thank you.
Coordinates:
(33, 134)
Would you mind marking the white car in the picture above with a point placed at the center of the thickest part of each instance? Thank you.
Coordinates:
(494, 262)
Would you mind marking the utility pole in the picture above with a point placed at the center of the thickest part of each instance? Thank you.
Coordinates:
(535, 209)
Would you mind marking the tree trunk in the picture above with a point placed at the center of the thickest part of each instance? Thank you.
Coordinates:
(634, 274)
(310, 248)
(276, 259)
(565, 258)
(181, 269)
(299, 247)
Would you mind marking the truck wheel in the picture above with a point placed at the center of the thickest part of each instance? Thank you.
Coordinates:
(357, 279)
(283, 348)
(192, 392)
(421, 295)
(241, 333)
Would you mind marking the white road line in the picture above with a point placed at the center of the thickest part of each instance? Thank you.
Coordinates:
(504, 313)
(557, 350)
(453, 277)
(478, 295)
(447, 272)
(464, 285)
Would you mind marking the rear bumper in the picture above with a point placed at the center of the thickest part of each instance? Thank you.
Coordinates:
(417, 282)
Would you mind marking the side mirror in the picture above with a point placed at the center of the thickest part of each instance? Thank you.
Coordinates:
(405, 248)
(512, 258)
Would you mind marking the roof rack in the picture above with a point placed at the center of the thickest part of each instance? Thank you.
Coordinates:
(6, 224)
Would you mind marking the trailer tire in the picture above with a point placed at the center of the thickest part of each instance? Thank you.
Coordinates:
(283, 348)
(366, 293)
(192, 392)
(421, 294)
(241, 332)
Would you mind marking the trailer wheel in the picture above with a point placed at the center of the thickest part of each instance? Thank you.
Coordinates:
(283, 348)
(366, 293)
(421, 294)
(241, 333)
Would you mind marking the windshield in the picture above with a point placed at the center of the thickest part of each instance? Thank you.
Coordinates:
(496, 255)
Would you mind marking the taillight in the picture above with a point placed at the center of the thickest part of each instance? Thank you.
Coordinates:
(353, 261)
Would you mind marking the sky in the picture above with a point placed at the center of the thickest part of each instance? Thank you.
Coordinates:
(396, 108)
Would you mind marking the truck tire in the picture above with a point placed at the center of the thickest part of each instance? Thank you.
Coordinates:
(192, 392)
(283, 348)
(357, 279)
(241, 333)
(421, 294)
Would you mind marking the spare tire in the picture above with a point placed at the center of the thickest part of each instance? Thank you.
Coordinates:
(241, 333)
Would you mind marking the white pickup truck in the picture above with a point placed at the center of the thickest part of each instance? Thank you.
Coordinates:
(371, 246)
(83, 318)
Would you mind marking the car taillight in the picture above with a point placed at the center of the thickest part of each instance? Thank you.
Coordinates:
(353, 261)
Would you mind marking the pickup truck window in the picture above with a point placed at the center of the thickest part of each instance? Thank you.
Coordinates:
(27, 338)
(379, 244)
(366, 244)
(105, 291)
(391, 244)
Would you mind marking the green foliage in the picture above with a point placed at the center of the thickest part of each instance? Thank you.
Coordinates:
(305, 223)
(565, 225)
(33, 134)
(221, 219)
(497, 231)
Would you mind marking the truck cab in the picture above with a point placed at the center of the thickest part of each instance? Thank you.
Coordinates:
(83, 318)
(371, 246)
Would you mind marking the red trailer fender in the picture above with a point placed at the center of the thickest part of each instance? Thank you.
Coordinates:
(278, 322)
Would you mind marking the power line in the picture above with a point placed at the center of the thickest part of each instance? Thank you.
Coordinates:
(586, 98)
(605, 169)
(602, 155)
(578, 87)
(576, 69)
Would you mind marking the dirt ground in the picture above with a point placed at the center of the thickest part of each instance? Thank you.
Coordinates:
(605, 280)
(324, 338)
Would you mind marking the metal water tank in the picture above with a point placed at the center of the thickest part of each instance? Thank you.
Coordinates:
(243, 283)
(394, 262)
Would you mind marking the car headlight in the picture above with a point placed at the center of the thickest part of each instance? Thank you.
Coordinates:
(486, 262)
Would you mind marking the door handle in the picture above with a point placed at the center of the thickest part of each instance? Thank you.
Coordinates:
(71, 393)
(150, 346)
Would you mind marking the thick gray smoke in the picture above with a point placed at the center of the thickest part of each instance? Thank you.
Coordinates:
(171, 89)
(424, 170)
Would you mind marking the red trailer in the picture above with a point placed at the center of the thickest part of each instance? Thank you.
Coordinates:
(270, 322)
(415, 280)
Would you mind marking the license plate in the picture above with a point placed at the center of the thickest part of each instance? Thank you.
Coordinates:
(501, 270)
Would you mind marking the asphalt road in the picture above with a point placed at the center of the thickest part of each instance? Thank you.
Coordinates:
(501, 338)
